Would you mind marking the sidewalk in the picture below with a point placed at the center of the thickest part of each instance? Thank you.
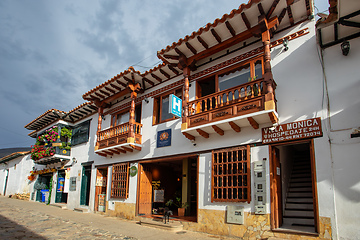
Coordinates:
(32, 220)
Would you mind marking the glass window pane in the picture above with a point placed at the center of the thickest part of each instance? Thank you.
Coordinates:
(165, 109)
(235, 78)
(258, 69)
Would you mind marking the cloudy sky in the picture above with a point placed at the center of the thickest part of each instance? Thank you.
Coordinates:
(52, 52)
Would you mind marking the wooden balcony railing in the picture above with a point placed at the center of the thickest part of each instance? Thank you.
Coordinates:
(243, 99)
(118, 135)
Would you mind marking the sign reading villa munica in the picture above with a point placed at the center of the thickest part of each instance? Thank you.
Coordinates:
(309, 128)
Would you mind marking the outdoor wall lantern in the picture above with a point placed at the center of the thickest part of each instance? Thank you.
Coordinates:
(103, 117)
(146, 100)
(285, 44)
(74, 160)
(345, 48)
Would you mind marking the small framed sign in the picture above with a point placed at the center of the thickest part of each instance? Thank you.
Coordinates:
(163, 138)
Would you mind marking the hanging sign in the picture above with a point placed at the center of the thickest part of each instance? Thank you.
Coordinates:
(159, 196)
(163, 138)
(133, 171)
(175, 105)
(309, 128)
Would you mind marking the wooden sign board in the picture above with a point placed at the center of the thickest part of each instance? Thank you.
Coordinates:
(309, 128)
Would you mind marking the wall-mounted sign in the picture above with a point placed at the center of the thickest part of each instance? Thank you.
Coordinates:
(158, 195)
(309, 128)
(133, 171)
(72, 184)
(163, 138)
(175, 105)
(61, 182)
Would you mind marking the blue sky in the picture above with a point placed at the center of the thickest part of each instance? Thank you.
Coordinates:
(52, 52)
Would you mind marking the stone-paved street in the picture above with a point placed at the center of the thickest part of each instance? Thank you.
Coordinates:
(21, 219)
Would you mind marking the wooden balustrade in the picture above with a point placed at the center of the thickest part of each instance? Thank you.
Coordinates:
(239, 100)
(118, 134)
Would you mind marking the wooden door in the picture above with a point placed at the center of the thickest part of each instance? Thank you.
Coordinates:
(100, 185)
(85, 186)
(145, 190)
(276, 189)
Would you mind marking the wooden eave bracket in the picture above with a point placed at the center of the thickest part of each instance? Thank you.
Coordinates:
(189, 136)
(253, 123)
(218, 130)
(234, 126)
(203, 133)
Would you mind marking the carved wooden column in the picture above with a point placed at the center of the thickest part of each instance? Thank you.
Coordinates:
(186, 74)
(131, 136)
(268, 77)
(134, 89)
(100, 113)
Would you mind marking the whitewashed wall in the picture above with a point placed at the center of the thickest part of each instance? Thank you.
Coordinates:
(343, 81)
(19, 169)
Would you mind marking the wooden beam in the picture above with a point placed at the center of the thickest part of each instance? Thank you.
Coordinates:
(273, 117)
(282, 15)
(128, 79)
(121, 83)
(114, 151)
(173, 69)
(120, 150)
(108, 153)
(202, 133)
(71, 118)
(261, 9)
(230, 28)
(216, 35)
(174, 57)
(148, 81)
(136, 147)
(156, 77)
(103, 92)
(92, 107)
(234, 126)
(253, 123)
(191, 48)
(272, 8)
(88, 110)
(218, 130)
(189, 136)
(119, 94)
(128, 149)
(290, 16)
(179, 52)
(246, 21)
(202, 41)
(99, 95)
(164, 73)
(110, 90)
(85, 113)
(116, 87)
(101, 154)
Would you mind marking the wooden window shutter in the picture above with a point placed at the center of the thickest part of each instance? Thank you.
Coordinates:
(120, 180)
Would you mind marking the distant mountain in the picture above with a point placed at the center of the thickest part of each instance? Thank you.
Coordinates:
(7, 151)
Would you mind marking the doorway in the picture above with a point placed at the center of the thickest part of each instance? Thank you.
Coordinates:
(6, 181)
(61, 196)
(100, 189)
(85, 185)
(168, 185)
(293, 187)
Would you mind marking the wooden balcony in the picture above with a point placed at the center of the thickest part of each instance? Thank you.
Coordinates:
(117, 140)
(230, 110)
(59, 155)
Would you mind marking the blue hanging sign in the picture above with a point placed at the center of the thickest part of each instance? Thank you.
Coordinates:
(163, 138)
(175, 105)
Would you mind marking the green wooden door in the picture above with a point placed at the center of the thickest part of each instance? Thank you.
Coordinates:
(85, 186)
(58, 189)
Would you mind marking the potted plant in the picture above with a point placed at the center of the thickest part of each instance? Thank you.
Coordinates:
(180, 205)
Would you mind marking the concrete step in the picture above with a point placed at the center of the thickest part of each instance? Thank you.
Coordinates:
(300, 180)
(299, 200)
(300, 175)
(172, 225)
(301, 206)
(299, 194)
(300, 189)
(299, 229)
(59, 205)
(291, 220)
(298, 213)
(82, 210)
(301, 184)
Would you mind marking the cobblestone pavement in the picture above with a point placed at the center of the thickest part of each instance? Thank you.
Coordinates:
(20, 223)
(21, 219)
